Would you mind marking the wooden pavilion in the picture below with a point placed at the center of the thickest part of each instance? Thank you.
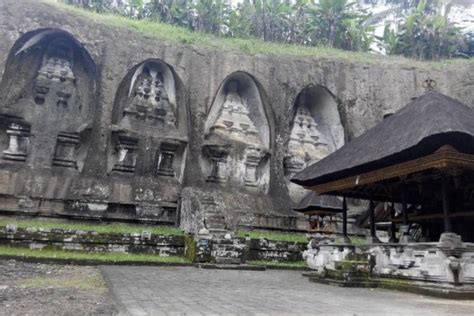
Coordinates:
(422, 157)
(314, 205)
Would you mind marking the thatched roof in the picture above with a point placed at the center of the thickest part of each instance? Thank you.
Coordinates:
(314, 202)
(420, 128)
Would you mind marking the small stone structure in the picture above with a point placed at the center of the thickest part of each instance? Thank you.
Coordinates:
(448, 261)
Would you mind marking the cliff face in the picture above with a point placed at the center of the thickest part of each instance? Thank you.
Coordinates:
(121, 153)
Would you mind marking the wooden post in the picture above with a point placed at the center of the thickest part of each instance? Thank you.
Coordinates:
(373, 236)
(404, 206)
(405, 237)
(372, 219)
(393, 227)
(445, 196)
(344, 221)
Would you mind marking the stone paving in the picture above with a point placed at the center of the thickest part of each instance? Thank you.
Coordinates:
(193, 291)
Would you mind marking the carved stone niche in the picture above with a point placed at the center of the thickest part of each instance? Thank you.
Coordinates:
(218, 155)
(254, 156)
(150, 100)
(19, 135)
(166, 158)
(315, 132)
(65, 153)
(234, 120)
(56, 75)
(126, 153)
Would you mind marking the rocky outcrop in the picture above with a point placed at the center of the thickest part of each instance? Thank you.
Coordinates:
(128, 128)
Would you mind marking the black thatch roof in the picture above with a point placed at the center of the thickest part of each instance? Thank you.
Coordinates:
(417, 130)
(314, 202)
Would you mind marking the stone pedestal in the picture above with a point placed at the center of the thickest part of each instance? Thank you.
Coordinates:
(127, 147)
(218, 155)
(167, 154)
(254, 156)
(65, 153)
(18, 142)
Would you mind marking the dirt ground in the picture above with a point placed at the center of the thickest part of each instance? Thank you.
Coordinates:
(50, 289)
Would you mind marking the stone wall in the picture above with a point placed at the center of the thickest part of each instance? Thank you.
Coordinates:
(90, 241)
(100, 122)
(201, 250)
(228, 250)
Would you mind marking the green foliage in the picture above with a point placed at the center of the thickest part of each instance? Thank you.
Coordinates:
(333, 23)
(174, 34)
(274, 236)
(190, 248)
(100, 228)
(83, 256)
(338, 24)
(424, 34)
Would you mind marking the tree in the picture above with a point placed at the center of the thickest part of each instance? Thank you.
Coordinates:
(210, 15)
(425, 34)
(338, 24)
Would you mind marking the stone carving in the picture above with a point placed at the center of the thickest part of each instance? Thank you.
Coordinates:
(254, 156)
(65, 153)
(167, 155)
(55, 75)
(293, 163)
(218, 155)
(306, 145)
(126, 147)
(237, 118)
(150, 102)
(18, 142)
(234, 121)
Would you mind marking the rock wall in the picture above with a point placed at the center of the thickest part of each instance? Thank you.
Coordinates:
(91, 241)
(100, 122)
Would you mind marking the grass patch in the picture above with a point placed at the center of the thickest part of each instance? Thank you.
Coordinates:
(85, 282)
(100, 228)
(84, 256)
(274, 236)
(179, 35)
(279, 264)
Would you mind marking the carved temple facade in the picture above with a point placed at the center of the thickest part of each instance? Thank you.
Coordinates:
(91, 130)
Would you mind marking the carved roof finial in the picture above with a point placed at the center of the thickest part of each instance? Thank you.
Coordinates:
(429, 84)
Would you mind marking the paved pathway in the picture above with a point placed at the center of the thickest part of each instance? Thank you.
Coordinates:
(192, 291)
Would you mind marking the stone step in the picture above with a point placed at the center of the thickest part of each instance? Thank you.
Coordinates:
(361, 282)
(230, 266)
(345, 275)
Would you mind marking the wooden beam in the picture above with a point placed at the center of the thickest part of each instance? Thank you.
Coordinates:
(445, 158)
(440, 215)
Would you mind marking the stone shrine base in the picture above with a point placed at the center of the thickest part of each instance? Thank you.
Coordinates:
(444, 269)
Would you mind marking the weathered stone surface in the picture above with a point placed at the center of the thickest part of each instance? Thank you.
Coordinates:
(38, 238)
(430, 262)
(85, 161)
